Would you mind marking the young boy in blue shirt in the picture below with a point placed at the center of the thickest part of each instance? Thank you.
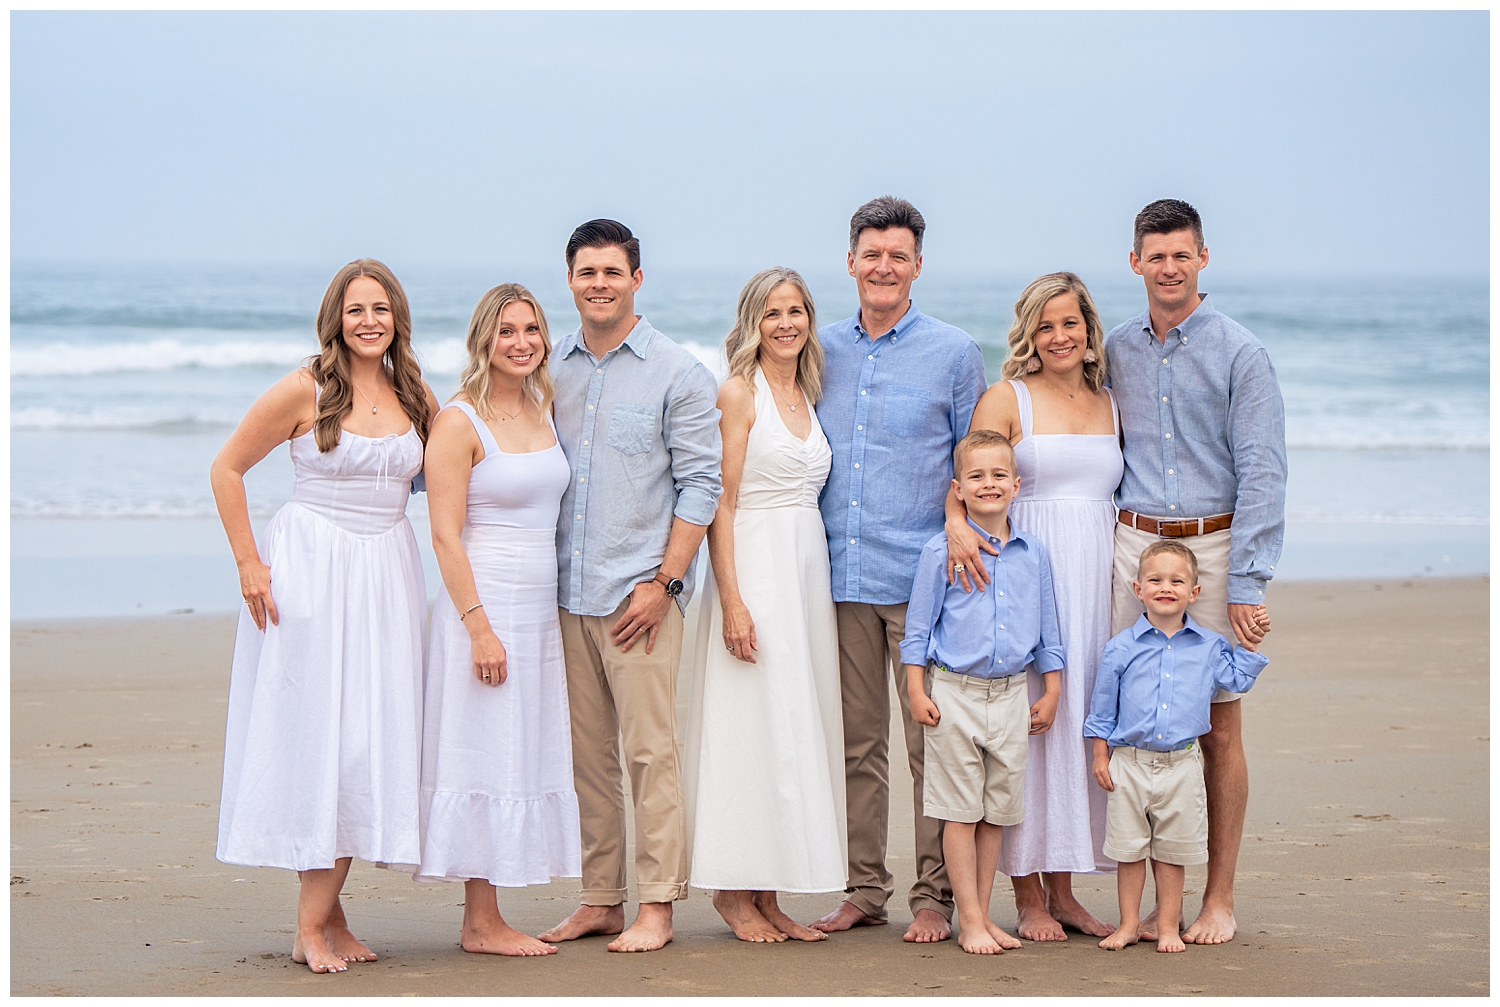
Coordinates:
(1151, 697)
(972, 651)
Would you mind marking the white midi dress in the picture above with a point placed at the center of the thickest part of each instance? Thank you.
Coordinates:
(765, 767)
(323, 743)
(497, 796)
(1066, 500)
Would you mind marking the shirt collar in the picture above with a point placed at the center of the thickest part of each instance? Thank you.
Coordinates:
(1143, 626)
(639, 340)
(900, 329)
(1016, 534)
(1190, 325)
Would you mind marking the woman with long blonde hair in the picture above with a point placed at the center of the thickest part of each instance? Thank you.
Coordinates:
(1055, 410)
(765, 764)
(497, 759)
(322, 749)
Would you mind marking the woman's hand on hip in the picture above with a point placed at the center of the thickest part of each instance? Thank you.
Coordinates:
(739, 631)
(489, 657)
(255, 588)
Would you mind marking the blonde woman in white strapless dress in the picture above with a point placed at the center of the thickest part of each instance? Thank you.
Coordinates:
(1061, 419)
(497, 801)
(765, 764)
(322, 747)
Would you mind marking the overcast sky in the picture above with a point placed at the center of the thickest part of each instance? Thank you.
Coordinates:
(1310, 142)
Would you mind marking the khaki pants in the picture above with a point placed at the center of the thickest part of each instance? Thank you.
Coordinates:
(617, 697)
(869, 645)
(1211, 610)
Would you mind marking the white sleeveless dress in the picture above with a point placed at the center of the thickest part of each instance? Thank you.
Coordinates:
(764, 774)
(322, 751)
(1066, 499)
(497, 760)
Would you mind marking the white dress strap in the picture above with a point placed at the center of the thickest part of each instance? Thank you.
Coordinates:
(1023, 405)
(1114, 409)
(486, 439)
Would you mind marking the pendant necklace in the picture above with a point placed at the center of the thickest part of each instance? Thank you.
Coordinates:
(366, 397)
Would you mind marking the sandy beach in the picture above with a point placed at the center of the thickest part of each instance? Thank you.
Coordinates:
(1364, 869)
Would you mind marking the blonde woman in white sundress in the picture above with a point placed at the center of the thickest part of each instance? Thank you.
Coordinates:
(322, 747)
(1061, 419)
(498, 806)
(765, 766)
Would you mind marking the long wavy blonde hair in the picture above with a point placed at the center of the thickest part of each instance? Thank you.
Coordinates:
(1028, 319)
(742, 345)
(330, 367)
(484, 327)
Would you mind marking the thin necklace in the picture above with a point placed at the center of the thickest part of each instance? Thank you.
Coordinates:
(785, 398)
(503, 414)
(366, 397)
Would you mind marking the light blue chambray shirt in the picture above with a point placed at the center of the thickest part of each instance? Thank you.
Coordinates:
(1205, 434)
(892, 409)
(641, 431)
(993, 633)
(1153, 691)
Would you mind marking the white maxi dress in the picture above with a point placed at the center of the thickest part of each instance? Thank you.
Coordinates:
(497, 760)
(322, 750)
(764, 773)
(1066, 500)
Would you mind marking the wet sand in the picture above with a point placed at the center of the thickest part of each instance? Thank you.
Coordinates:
(1364, 868)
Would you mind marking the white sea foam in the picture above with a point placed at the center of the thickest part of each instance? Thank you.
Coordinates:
(79, 359)
(169, 418)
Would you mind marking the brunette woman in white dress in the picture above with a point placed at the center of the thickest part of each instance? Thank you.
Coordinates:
(1061, 419)
(322, 748)
(498, 806)
(765, 766)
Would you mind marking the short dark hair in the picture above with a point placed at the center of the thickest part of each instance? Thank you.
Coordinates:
(980, 439)
(605, 233)
(1165, 216)
(1167, 545)
(884, 213)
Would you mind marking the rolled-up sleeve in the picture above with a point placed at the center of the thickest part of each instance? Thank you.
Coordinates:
(690, 428)
(1050, 656)
(925, 606)
(1257, 433)
(1104, 704)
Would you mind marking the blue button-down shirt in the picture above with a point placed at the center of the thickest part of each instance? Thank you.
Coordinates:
(1205, 434)
(993, 633)
(641, 431)
(892, 409)
(1153, 691)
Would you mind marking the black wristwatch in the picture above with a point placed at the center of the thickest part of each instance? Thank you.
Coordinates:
(672, 584)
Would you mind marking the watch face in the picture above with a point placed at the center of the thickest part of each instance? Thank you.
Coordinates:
(674, 587)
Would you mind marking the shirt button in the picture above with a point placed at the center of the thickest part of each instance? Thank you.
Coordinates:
(1169, 674)
(575, 552)
(853, 540)
(1164, 398)
(598, 370)
(578, 517)
(1158, 737)
(1002, 594)
(1002, 625)
(1169, 436)
(856, 465)
(1164, 706)
(859, 428)
(870, 357)
(591, 408)
(863, 392)
(585, 443)
(1169, 471)
(1169, 646)
(580, 478)
(1163, 359)
(1171, 507)
(853, 503)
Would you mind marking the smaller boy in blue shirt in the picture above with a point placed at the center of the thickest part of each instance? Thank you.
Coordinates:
(1150, 704)
(971, 650)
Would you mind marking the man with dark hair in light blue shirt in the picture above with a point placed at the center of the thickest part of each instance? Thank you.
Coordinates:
(898, 394)
(1205, 461)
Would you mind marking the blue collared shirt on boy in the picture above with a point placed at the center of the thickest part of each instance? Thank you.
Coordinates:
(994, 633)
(1153, 691)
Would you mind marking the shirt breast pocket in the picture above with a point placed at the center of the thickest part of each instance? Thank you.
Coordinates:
(905, 409)
(1203, 416)
(632, 428)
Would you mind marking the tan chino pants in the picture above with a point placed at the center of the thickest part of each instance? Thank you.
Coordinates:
(626, 699)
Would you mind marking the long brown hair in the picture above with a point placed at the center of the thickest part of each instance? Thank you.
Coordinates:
(330, 368)
(742, 345)
(484, 327)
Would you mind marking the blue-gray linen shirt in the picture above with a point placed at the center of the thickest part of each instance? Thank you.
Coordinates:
(993, 633)
(892, 409)
(1205, 434)
(641, 431)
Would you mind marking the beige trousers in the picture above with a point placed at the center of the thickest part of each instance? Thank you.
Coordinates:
(618, 698)
(869, 652)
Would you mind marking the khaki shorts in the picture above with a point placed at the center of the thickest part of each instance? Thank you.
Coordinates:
(1211, 610)
(976, 757)
(1158, 809)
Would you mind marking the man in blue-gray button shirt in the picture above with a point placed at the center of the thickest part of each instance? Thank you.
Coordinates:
(898, 394)
(636, 416)
(1205, 462)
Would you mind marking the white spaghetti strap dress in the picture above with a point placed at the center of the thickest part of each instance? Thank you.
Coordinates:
(322, 747)
(1066, 498)
(497, 760)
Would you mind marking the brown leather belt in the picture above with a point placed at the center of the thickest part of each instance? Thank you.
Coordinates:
(1176, 529)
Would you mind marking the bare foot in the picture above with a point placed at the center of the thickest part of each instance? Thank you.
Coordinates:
(344, 944)
(766, 903)
(1170, 943)
(977, 941)
(1123, 937)
(312, 950)
(1038, 925)
(1002, 938)
(585, 922)
(929, 927)
(744, 918)
(1213, 926)
(1147, 930)
(651, 930)
(1070, 913)
(845, 917)
(502, 939)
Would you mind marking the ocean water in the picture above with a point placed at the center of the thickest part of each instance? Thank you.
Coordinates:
(126, 381)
